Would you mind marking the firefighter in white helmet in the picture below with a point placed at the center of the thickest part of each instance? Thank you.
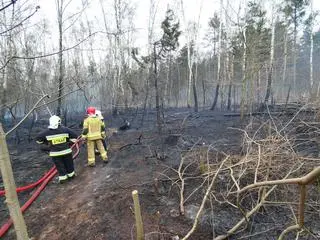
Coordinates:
(94, 132)
(100, 116)
(58, 140)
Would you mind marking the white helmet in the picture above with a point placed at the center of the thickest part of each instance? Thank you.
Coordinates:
(99, 114)
(54, 122)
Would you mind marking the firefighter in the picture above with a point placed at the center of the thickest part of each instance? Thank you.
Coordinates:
(100, 116)
(57, 140)
(94, 132)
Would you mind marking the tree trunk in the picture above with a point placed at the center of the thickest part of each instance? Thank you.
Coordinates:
(194, 85)
(295, 53)
(166, 94)
(119, 55)
(215, 101)
(229, 97)
(177, 96)
(269, 81)
(159, 123)
(231, 70)
(146, 96)
(60, 60)
(10, 188)
(3, 94)
(190, 61)
(190, 77)
(288, 96)
(235, 102)
(284, 70)
(311, 47)
(204, 89)
(170, 82)
(244, 75)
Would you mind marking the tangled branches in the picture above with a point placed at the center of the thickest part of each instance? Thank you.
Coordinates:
(261, 175)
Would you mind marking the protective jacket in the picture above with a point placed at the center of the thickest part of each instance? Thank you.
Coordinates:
(58, 140)
(93, 128)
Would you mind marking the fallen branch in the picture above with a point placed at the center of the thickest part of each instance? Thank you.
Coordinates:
(302, 181)
(195, 223)
(247, 216)
(289, 229)
(180, 174)
(254, 210)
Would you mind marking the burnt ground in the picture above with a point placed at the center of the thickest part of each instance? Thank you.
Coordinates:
(97, 204)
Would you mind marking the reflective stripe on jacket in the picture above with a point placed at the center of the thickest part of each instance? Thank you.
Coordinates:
(60, 153)
(58, 140)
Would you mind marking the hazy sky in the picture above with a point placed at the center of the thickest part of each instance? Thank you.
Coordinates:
(192, 9)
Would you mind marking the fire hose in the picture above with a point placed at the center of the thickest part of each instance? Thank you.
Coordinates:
(43, 181)
(32, 185)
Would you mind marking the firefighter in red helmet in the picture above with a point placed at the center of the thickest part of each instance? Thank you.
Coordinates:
(94, 132)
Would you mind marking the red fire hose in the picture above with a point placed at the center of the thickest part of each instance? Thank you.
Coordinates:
(5, 227)
(32, 185)
(44, 181)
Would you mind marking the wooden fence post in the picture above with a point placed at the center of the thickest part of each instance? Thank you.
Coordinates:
(137, 214)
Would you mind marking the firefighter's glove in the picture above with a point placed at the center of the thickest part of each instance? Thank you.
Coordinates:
(103, 134)
(84, 137)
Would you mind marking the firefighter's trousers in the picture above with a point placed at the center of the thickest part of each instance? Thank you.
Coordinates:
(91, 155)
(65, 167)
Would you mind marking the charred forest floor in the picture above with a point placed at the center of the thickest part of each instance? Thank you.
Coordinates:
(97, 204)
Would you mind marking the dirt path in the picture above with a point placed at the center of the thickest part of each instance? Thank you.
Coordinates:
(97, 203)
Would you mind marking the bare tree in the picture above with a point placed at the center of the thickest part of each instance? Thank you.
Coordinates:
(285, 60)
(219, 72)
(63, 19)
(244, 69)
(295, 11)
(190, 60)
(270, 71)
(60, 10)
(311, 45)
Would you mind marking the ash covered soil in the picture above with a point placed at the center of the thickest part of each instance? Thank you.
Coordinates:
(97, 204)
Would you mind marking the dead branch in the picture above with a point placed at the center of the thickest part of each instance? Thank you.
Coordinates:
(289, 229)
(128, 145)
(180, 174)
(25, 117)
(305, 180)
(53, 53)
(266, 154)
(302, 182)
(249, 214)
(303, 194)
(56, 99)
(8, 5)
(20, 23)
(195, 223)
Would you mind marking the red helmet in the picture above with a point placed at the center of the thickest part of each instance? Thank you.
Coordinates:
(91, 111)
